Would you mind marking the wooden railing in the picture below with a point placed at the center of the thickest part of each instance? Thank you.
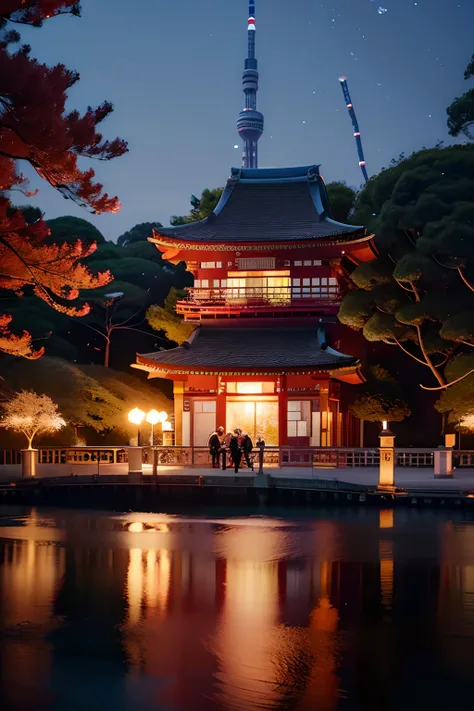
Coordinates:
(256, 296)
(316, 457)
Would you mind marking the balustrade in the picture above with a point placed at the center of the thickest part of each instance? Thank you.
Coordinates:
(175, 456)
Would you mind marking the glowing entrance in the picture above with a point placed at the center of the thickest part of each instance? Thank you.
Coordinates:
(257, 417)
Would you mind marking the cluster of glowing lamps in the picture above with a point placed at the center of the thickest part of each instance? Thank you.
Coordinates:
(137, 416)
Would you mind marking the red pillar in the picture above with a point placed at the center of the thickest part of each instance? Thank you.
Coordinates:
(220, 407)
(283, 413)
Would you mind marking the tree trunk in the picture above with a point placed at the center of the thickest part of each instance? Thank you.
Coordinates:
(107, 352)
(444, 421)
(30, 441)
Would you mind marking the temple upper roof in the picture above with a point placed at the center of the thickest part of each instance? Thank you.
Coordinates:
(268, 205)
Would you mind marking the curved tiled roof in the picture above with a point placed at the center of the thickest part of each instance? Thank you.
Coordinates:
(268, 206)
(224, 349)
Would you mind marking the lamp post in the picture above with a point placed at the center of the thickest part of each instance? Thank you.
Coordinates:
(136, 417)
(153, 417)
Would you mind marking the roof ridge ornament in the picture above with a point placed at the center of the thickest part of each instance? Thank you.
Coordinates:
(235, 176)
(313, 174)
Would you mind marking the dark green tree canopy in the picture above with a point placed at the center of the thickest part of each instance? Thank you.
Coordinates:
(30, 213)
(419, 294)
(342, 200)
(139, 233)
(200, 207)
(461, 111)
(69, 229)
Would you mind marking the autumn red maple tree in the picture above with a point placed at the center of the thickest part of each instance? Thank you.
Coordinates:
(35, 127)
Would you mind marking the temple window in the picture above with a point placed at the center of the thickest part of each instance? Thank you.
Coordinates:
(208, 265)
(216, 283)
(308, 263)
(299, 413)
(256, 263)
(298, 264)
(205, 283)
(204, 421)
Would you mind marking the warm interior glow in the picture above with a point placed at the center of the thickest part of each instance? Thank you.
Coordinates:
(136, 527)
(153, 417)
(240, 275)
(136, 416)
(257, 417)
(167, 427)
(249, 388)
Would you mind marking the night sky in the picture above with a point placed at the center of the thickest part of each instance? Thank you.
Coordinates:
(173, 71)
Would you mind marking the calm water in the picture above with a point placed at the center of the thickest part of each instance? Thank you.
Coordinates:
(342, 609)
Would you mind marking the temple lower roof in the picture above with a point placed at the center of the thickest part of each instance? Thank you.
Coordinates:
(260, 350)
(267, 205)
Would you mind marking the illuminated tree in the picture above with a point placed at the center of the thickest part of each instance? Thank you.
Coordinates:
(166, 319)
(36, 128)
(31, 414)
(91, 398)
(381, 398)
(53, 272)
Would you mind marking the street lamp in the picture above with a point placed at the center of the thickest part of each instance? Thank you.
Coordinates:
(136, 417)
(153, 417)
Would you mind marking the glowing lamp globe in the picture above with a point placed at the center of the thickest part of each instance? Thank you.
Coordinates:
(163, 416)
(136, 416)
(153, 417)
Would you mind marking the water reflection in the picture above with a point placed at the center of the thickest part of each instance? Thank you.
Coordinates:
(343, 611)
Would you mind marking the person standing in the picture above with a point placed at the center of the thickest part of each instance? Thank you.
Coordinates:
(247, 446)
(235, 451)
(215, 444)
(225, 448)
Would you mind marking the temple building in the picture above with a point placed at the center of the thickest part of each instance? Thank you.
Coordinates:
(269, 265)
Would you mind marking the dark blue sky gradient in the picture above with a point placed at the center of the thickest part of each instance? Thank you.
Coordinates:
(173, 71)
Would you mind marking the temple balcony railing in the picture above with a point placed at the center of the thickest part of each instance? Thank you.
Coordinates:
(248, 297)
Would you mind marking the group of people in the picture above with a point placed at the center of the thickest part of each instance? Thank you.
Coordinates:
(236, 443)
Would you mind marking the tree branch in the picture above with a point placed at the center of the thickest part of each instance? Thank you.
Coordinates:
(467, 283)
(428, 360)
(448, 385)
(410, 354)
(405, 288)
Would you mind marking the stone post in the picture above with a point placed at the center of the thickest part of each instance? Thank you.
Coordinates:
(135, 465)
(387, 460)
(261, 479)
(443, 458)
(29, 460)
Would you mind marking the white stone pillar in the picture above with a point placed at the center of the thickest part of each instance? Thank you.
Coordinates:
(29, 460)
(387, 460)
(135, 464)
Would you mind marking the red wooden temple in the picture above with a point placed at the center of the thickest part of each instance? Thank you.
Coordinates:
(269, 266)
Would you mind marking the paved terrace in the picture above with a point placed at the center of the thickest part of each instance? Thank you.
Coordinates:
(412, 478)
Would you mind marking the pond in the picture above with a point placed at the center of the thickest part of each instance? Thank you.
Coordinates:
(323, 610)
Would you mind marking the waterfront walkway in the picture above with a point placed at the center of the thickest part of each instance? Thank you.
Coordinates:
(410, 478)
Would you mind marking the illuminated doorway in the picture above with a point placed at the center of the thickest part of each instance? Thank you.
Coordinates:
(257, 417)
